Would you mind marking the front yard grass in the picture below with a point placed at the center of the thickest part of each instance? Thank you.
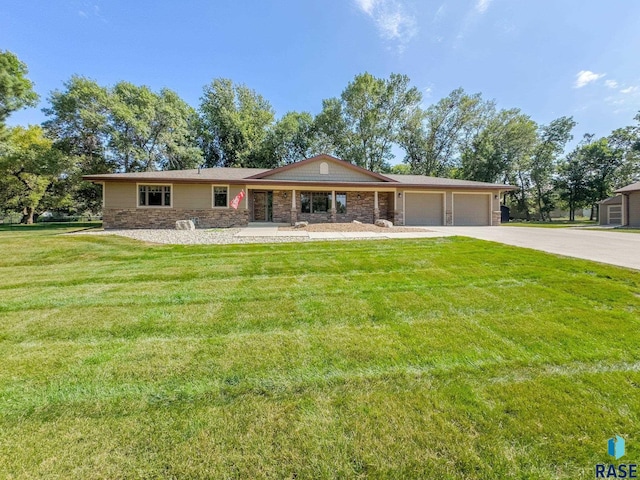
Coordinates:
(555, 223)
(438, 358)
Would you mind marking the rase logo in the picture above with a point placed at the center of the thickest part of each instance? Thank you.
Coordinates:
(616, 448)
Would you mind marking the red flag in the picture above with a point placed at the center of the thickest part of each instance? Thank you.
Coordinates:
(236, 201)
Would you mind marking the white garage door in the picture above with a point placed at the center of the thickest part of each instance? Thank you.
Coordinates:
(423, 208)
(471, 209)
(615, 214)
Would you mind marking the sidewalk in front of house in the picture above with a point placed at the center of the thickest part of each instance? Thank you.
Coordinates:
(268, 231)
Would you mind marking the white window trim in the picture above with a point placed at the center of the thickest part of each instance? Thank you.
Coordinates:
(213, 198)
(148, 184)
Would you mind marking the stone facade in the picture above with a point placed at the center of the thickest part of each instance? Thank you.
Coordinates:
(282, 207)
(398, 218)
(496, 217)
(167, 217)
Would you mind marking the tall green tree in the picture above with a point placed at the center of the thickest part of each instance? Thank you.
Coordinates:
(78, 122)
(627, 140)
(16, 90)
(151, 131)
(498, 150)
(29, 165)
(434, 139)
(365, 122)
(123, 128)
(552, 139)
(603, 159)
(234, 121)
(291, 139)
(572, 181)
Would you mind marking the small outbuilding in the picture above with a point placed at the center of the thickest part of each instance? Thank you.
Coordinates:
(610, 211)
(630, 205)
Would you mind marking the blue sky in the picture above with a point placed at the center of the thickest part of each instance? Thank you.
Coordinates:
(548, 58)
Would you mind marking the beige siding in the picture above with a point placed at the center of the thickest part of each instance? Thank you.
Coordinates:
(120, 195)
(311, 172)
(603, 215)
(192, 196)
(495, 201)
(634, 209)
(471, 209)
(423, 208)
(235, 190)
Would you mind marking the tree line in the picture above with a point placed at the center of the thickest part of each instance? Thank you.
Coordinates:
(92, 128)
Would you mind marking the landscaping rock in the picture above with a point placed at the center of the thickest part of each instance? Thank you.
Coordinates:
(300, 224)
(185, 225)
(356, 221)
(384, 223)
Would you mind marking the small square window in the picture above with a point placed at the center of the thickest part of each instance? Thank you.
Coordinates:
(220, 196)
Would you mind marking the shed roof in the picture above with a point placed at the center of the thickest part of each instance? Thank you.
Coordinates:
(634, 187)
(611, 200)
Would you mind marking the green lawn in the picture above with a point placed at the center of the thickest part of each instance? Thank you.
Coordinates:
(556, 223)
(623, 230)
(440, 358)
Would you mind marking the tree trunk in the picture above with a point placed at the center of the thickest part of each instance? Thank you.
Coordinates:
(27, 216)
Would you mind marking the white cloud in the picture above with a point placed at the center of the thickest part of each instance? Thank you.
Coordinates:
(584, 77)
(366, 5)
(611, 83)
(629, 90)
(392, 20)
(483, 5)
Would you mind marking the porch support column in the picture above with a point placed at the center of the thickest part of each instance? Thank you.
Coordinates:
(334, 217)
(294, 211)
(376, 209)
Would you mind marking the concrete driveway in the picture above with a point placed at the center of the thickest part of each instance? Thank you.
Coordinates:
(615, 248)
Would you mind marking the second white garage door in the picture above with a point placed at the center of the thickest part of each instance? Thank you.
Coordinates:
(423, 209)
(471, 209)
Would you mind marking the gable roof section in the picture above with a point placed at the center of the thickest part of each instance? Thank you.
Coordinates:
(276, 173)
(634, 187)
(264, 177)
(611, 200)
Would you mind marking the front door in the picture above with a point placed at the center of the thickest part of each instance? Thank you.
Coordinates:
(262, 206)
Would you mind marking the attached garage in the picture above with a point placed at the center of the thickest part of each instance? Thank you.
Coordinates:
(471, 209)
(423, 209)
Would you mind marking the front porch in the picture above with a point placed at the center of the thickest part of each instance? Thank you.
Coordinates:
(321, 206)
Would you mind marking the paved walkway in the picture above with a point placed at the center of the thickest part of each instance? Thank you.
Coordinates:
(615, 248)
(262, 231)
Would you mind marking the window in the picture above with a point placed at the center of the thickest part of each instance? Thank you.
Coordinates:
(220, 197)
(315, 202)
(154, 196)
(305, 202)
(341, 202)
